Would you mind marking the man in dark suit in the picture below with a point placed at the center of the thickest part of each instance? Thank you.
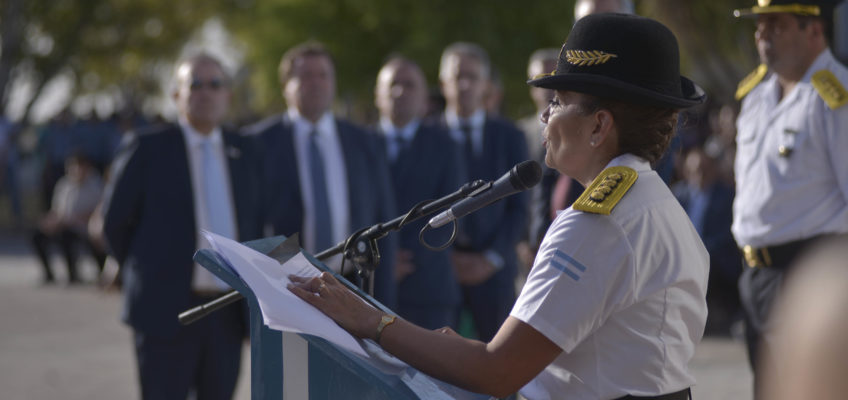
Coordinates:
(484, 254)
(424, 166)
(168, 183)
(324, 177)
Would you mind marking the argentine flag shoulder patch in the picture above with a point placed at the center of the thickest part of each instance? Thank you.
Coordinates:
(568, 265)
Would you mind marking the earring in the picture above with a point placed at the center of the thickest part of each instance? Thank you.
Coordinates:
(592, 143)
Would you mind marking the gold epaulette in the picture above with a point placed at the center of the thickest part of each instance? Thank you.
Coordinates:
(829, 88)
(751, 81)
(606, 190)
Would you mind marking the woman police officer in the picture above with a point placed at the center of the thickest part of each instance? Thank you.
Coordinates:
(615, 302)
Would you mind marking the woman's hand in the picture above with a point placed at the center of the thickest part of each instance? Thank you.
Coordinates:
(337, 302)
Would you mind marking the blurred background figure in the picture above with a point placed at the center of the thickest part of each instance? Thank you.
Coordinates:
(324, 176)
(583, 8)
(424, 164)
(791, 174)
(75, 197)
(495, 94)
(809, 353)
(709, 203)
(9, 185)
(167, 184)
(54, 147)
(484, 255)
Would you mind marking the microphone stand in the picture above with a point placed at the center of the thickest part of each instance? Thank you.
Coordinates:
(360, 248)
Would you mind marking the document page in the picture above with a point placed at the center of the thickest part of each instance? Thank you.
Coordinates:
(281, 309)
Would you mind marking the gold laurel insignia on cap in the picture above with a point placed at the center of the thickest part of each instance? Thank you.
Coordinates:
(604, 193)
(582, 58)
(751, 81)
(830, 89)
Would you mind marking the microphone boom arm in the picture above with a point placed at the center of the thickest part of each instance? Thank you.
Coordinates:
(367, 236)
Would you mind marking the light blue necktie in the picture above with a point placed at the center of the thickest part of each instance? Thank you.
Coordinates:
(219, 214)
(320, 199)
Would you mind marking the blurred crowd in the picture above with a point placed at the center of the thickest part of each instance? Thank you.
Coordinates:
(72, 154)
(121, 188)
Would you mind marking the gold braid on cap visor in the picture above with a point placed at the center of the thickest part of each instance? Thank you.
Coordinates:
(799, 9)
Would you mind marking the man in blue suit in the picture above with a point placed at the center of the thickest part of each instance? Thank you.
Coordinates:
(168, 183)
(324, 177)
(424, 166)
(484, 253)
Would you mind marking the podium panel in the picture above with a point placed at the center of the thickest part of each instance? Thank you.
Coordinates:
(293, 366)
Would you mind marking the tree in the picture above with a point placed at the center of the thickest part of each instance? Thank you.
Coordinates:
(99, 45)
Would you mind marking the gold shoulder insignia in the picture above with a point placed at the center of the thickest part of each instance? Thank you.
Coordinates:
(830, 90)
(606, 190)
(751, 81)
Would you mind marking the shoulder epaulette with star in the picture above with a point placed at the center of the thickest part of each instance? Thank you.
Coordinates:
(751, 81)
(604, 193)
(830, 89)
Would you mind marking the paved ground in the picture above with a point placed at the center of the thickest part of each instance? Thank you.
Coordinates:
(61, 342)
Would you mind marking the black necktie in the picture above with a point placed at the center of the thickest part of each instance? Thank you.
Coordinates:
(469, 142)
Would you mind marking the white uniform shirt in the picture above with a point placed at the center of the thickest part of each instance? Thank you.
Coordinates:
(781, 199)
(623, 295)
(336, 179)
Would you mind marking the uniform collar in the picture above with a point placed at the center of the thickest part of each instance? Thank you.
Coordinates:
(821, 62)
(632, 161)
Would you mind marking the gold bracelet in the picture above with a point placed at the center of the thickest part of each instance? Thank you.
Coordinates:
(385, 321)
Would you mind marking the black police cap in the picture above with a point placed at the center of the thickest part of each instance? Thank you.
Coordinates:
(623, 57)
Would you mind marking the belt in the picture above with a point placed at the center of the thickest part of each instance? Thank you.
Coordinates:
(780, 255)
(684, 394)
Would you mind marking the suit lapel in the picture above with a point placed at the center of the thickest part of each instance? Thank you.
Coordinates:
(236, 170)
(181, 176)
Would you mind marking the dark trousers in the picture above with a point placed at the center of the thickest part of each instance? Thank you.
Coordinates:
(67, 240)
(203, 358)
(758, 289)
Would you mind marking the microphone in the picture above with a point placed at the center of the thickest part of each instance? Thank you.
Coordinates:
(521, 177)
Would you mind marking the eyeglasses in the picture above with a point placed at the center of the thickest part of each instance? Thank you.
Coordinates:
(213, 84)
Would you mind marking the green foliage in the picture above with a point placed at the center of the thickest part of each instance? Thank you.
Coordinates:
(362, 33)
(99, 44)
(127, 44)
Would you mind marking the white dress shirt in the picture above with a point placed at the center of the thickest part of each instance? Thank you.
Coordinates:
(393, 134)
(334, 167)
(202, 278)
(801, 191)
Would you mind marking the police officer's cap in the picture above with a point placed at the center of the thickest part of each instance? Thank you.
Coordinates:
(623, 57)
(799, 7)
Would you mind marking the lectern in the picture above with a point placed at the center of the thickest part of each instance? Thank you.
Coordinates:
(292, 366)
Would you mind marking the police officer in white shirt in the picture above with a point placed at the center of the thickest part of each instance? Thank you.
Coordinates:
(791, 175)
(615, 302)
